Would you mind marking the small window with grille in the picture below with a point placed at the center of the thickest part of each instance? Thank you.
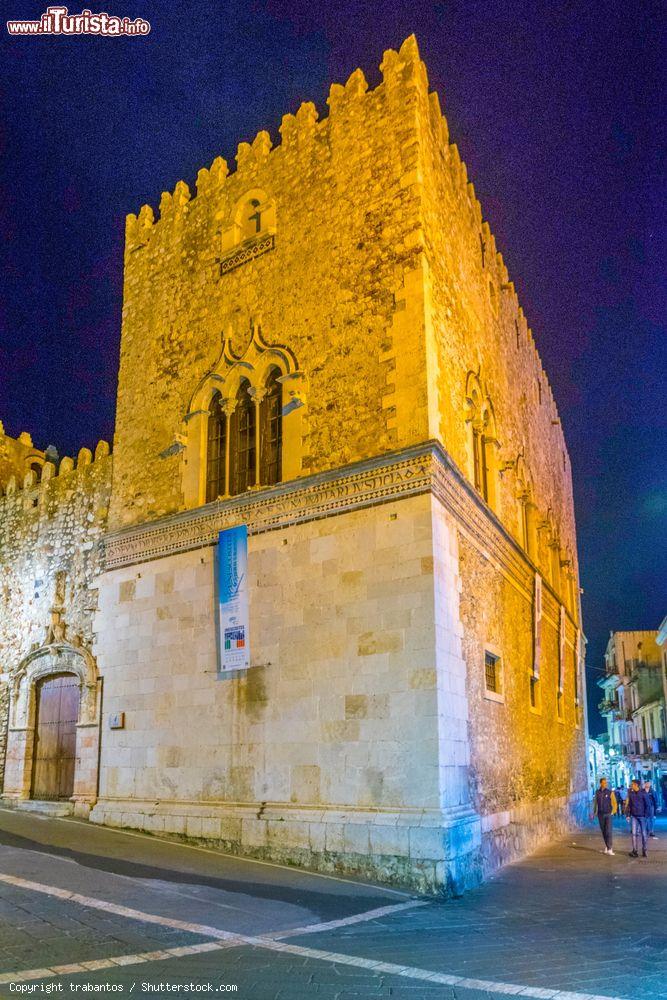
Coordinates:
(493, 676)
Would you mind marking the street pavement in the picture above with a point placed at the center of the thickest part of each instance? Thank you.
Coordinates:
(85, 909)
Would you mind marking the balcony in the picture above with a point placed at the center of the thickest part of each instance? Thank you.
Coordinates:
(645, 748)
(607, 706)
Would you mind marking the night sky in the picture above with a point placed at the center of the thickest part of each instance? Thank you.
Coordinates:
(556, 108)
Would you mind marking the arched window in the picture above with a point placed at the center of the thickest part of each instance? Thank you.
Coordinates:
(484, 457)
(243, 442)
(554, 563)
(270, 430)
(480, 467)
(482, 441)
(216, 450)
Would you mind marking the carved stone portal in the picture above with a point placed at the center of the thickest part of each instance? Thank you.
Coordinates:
(56, 656)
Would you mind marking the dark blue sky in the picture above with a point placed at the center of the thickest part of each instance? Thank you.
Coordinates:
(556, 108)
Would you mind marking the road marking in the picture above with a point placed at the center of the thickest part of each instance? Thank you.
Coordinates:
(357, 918)
(122, 911)
(110, 963)
(269, 942)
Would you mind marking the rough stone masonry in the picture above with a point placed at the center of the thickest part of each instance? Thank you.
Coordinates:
(413, 710)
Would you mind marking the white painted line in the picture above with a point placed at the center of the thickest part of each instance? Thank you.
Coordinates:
(142, 835)
(425, 974)
(270, 943)
(123, 911)
(357, 918)
(111, 963)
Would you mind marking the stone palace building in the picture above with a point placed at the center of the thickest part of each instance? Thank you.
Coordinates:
(323, 345)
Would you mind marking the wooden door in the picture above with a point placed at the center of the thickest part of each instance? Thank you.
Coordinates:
(55, 737)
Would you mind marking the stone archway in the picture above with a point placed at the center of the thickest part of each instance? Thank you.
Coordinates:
(50, 660)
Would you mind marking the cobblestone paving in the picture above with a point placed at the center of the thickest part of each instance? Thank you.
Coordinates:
(567, 920)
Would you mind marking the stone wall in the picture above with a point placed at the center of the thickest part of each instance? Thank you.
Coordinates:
(328, 744)
(476, 327)
(338, 290)
(4, 723)
(49, 553)
(526, 763)
(362, 738)
(16, 457)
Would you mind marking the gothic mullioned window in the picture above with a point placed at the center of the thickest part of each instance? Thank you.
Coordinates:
(244, 427)
(244, 439)
(480, 465)
(482, 440)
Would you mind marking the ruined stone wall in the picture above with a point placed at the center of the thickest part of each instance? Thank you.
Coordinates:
(49, 554)
(339, 290)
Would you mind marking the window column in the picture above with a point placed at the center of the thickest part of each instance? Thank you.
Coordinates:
(257, 395)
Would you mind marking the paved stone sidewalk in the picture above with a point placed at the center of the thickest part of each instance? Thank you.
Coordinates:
(567, 920)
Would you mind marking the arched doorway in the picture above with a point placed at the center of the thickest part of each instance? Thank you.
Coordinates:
(53, 737)
(54, 757)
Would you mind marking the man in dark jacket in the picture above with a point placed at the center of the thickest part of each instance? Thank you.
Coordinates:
(637, 809)
(604, 807)
(653, 799)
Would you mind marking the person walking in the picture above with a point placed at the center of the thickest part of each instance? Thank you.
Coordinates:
(604, 807)
(650, 820)
(636, 810)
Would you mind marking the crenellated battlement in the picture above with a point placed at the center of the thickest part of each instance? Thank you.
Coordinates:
(32, 468)
(401, 71)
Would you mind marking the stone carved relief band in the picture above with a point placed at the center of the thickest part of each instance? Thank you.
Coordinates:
(421, 469)
(303, 500)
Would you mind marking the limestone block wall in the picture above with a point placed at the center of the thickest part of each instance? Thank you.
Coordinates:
(329, 743)
(341, 289)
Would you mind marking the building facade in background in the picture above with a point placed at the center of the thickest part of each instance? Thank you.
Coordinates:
(635, 686)
(324, 346)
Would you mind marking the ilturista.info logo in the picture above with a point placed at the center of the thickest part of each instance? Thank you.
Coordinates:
(58, 21)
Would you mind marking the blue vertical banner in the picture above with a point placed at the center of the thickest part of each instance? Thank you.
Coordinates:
(234, 644)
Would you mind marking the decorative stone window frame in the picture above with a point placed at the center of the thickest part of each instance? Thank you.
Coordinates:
(53, 658)
(497, 696)
(238, 246)
(526, 510)
(481, 422)
(225, 378)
